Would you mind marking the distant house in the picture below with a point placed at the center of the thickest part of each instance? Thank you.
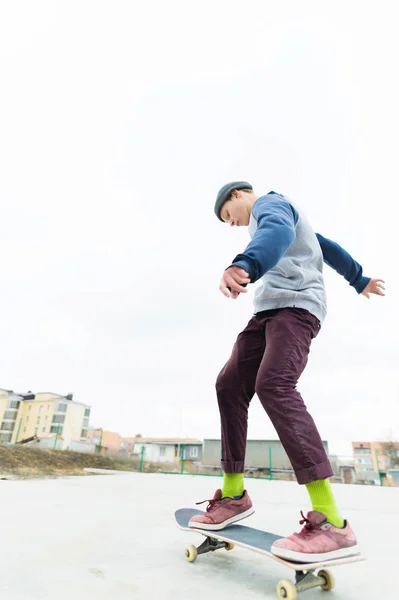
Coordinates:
(127, 445)
(106, 442)
(343, 467)
(168, 450)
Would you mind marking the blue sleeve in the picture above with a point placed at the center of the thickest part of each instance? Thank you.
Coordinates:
(275, 233)
(342, 262)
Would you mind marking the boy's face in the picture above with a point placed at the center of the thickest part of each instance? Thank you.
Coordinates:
(236, 211)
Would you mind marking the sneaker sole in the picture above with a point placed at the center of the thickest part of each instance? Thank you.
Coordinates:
(325, 556)
(217, 526)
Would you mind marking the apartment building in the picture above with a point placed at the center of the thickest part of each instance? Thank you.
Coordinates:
(41, 414)
(370, 458)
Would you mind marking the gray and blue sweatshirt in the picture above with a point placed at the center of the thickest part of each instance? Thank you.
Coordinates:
(286, 257)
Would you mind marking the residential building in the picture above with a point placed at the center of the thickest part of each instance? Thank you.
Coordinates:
(107, 442)
(10, 403)
(127, 445)
(373, 459)
(343, 467)
(168, 450)
(26, 415)
(393, 476)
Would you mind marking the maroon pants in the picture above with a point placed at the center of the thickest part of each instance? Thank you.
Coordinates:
(268, 358)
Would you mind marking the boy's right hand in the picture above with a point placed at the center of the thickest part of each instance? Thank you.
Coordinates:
(374, 286)
(233, 281)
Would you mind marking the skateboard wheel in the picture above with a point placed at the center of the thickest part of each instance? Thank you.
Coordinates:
(328, 578)
(229, 546)
(191, 553)
(286, 590)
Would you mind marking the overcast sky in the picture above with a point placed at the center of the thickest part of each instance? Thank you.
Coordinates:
(119, 121)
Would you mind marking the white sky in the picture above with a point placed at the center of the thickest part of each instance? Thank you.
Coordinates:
(119, 121)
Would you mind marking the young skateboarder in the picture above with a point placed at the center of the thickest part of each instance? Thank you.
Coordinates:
(286, 257)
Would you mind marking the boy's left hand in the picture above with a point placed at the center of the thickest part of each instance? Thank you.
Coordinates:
(234, 278)
(374, 286)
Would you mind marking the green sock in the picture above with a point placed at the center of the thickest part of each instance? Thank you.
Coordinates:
(233, 485)
(322, 498)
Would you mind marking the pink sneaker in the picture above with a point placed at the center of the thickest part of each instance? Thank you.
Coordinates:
(222, 512)
(319, 540)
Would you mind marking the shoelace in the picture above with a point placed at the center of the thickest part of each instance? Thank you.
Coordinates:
(212, 504)
(309, 529)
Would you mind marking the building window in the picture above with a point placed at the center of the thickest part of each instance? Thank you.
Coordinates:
(43, 430)
(162, 451)
(61, 407)
(5, 437)
(83, 433)
(13, 404)
(8, 425)
(38, 421)
(87, 412)
(362, 451)
(36, 430)
(40, 410)
(58, 418)
(363, 461)
(193, 453)
(85, 422)
(96, 439)
(10, 414)
(56, 429)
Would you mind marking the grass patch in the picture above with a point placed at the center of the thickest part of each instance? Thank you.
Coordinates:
(23, 462)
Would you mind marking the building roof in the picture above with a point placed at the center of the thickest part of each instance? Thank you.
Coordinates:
(39, 396)
(50, 397)
(100, 431)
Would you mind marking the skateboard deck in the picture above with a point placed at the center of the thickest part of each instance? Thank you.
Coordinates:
(261, 542)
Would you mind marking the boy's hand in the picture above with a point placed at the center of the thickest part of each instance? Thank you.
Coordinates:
(374, 286)
(234, 278)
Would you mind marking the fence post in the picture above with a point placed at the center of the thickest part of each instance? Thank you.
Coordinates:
(142, 458)
(56, 437)
(101, 441)
(270, 464)
(378, 466)
(183, 451)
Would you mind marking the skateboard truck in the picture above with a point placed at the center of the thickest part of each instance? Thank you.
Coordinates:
(305, 580)
(210, 544)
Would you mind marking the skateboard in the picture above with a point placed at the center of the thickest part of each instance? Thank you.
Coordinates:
(261, 541)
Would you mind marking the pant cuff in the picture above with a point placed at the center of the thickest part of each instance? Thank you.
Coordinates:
(321, 471)
(231, 466)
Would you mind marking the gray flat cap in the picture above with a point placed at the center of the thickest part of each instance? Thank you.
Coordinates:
(225, 193)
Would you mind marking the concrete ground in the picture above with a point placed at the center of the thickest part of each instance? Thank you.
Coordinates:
(114, 537)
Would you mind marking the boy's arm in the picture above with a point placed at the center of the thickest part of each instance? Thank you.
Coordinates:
(275, 233)
(342, 262)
